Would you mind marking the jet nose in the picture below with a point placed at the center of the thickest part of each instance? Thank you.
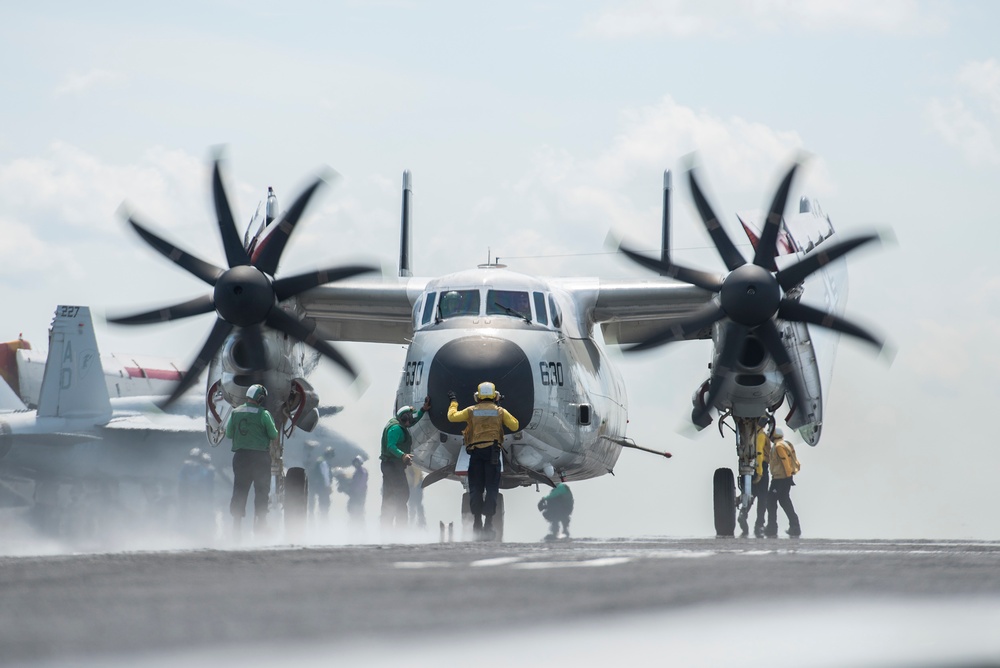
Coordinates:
(461, 365)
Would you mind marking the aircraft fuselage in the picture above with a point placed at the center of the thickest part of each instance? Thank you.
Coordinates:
(509, 329)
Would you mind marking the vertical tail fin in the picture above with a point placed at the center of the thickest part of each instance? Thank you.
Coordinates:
(405, 241)
(73, 385)
(665, 246)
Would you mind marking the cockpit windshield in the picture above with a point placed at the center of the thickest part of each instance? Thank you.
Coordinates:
(458, 302)
(508, 302)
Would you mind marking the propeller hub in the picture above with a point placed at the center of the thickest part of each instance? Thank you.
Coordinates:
(243, 296)
(750, 295)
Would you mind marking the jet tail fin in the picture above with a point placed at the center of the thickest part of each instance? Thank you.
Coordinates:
(73, 384)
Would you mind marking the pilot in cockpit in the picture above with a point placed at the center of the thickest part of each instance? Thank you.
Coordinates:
(451, 304)
(459, 302)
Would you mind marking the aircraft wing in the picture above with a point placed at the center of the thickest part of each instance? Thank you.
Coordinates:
(629, 311)
(364, 310)
(165, 423)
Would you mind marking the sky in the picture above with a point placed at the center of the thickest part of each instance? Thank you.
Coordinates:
(532, 130)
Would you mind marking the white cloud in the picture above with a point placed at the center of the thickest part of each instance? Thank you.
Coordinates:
(78, 83)
(576, 199)
(688, 18)
(970, 120)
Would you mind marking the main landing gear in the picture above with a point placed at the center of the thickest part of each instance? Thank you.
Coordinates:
(728, 497)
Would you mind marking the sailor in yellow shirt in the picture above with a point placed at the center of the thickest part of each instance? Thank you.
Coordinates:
(784, 465)
(483, 436)
(761, 480)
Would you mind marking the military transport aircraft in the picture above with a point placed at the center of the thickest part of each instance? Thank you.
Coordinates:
(80, 417)
(535, 338)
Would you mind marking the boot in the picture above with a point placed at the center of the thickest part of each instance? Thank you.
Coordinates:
(744, 527)
(488, 532)
(477, 526)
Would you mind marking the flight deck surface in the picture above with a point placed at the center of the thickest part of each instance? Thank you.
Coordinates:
(419, 602)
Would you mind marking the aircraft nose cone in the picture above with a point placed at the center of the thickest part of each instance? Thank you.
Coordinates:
(462, 364)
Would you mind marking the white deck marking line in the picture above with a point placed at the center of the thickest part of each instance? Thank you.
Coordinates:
(606, 561)
(496, 561)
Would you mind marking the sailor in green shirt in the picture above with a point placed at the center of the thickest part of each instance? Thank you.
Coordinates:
(396, 456)
(252, 429)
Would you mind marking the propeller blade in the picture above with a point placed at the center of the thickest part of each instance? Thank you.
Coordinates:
(722, 369)
(766, 248)
(771, 338)
(206, 271)
(799, 312)
(236, 255)
(273, 246)
(705, 316)
(295, 328)
(215, 340)
(293, 285)
(695, 277)
(196, 306)
(723, 244)
(791, 276)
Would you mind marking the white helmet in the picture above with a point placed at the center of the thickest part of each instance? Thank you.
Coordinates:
(486, 391)
(777, 433)
(257, 393)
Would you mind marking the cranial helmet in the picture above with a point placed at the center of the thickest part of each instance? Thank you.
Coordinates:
(404, 411)
(777, 433)
(358, 461)
(486, 391)
(257, 393)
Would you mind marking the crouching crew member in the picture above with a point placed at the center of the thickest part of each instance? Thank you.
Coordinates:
(556, 508)
(483, 436)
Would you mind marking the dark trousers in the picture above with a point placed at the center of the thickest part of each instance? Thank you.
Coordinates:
(484, 480)
(779, 494)
(251, 467)
(555, 518)
(395, 493)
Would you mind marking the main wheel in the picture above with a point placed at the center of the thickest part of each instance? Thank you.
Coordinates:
(724, 494)
(295, 502)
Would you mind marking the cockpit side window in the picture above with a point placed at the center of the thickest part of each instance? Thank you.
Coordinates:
(508, 302)
(428, 308)
(540, 316)
(459, 302)
(556, 313)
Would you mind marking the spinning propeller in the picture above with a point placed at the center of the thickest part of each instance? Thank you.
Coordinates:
(246, 295)
(750, 296)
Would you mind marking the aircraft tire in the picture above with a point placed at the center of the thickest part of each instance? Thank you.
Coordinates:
(724, 495)
(295, 502)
